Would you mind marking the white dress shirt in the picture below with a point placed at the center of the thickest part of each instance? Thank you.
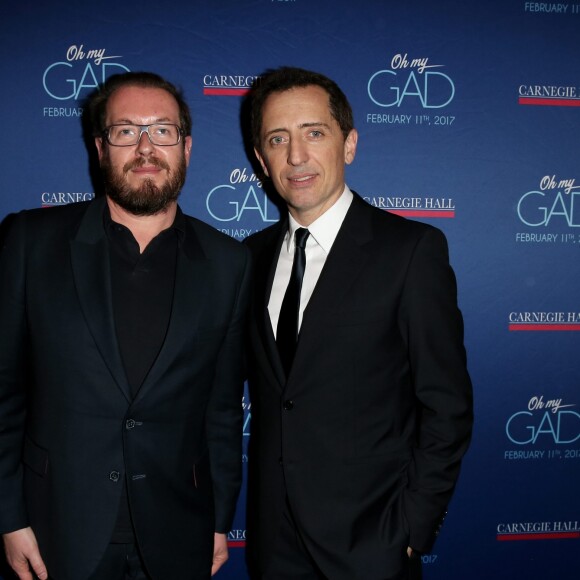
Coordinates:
(323, 232)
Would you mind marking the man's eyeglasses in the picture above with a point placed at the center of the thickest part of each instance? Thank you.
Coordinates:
(163, 134)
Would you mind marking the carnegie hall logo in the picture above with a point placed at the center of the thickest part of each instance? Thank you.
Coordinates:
(542, 320)
(50, 199)
(79, 71)
(551, 211)
(414, 206)
(237, 538)
(540, 530)
(549, 95)
(220, 85)
(239, 198)
(411, 90)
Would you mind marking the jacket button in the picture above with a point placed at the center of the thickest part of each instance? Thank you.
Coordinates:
(288, 405)
(130, 423)
(114, 476)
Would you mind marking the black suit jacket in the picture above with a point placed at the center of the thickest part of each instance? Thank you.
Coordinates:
(70, 433)
(366, 434)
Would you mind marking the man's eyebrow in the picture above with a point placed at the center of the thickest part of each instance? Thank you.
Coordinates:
(272, 131)
(301, 126)
(314, 124)
(126, 121)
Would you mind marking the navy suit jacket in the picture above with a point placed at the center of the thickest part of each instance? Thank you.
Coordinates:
(71, 434)
(366, 434)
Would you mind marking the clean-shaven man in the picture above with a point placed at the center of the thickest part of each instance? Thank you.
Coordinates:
(361, 401)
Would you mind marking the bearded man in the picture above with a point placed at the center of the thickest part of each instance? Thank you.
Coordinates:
(121, 363)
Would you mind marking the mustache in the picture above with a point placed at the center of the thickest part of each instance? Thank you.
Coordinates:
(150, 161)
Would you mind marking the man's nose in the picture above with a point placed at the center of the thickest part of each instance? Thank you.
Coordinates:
(144, 144)
(297, 153)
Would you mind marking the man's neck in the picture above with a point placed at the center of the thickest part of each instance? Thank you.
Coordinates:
(143, 227)
(306, 217)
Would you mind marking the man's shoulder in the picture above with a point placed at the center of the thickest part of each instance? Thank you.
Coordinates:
(66, 212)
(52, 220)
(212, 239)
(389, 224)
(265, 237)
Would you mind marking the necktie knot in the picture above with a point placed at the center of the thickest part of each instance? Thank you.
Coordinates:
(300, 237)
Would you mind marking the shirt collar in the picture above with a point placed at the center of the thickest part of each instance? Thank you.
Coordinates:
(178, 223)
(325, 228)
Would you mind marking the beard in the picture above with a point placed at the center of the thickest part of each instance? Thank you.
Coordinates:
(148, 198)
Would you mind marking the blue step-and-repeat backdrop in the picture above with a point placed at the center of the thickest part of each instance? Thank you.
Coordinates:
(469, 118)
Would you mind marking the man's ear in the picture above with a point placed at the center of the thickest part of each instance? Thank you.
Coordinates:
(187, 144)
(100, 147)
(350, 146)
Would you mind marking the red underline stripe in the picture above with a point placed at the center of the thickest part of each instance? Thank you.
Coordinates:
(423, 213)
(549, 102)
(544, 536)
(541, 327)
(237, 544)
(225, 92)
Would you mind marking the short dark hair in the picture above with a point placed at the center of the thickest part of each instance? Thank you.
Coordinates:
(288, 77)
(148, 80)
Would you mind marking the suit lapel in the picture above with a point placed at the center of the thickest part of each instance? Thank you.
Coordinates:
(346, 260)
(92, 275)
(189, 301)
(264, 279)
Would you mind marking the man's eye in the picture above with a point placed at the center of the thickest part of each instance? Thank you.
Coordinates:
(276, 140)
(316, 133)
(165, 130)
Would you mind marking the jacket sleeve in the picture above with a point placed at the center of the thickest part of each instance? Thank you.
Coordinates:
(13, 380)
(433, 327)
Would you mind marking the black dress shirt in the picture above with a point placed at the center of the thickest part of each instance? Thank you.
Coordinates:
(142, 292)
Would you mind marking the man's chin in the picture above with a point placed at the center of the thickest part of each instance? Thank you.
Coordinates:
(145, 201)
(146, 197)
(144, 181)
(146, 207)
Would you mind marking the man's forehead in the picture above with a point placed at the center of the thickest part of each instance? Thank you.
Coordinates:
(130, 93)
(302, 106)
(311, 93)
(142, 100)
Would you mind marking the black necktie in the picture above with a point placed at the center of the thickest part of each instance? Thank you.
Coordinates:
(287, 331)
